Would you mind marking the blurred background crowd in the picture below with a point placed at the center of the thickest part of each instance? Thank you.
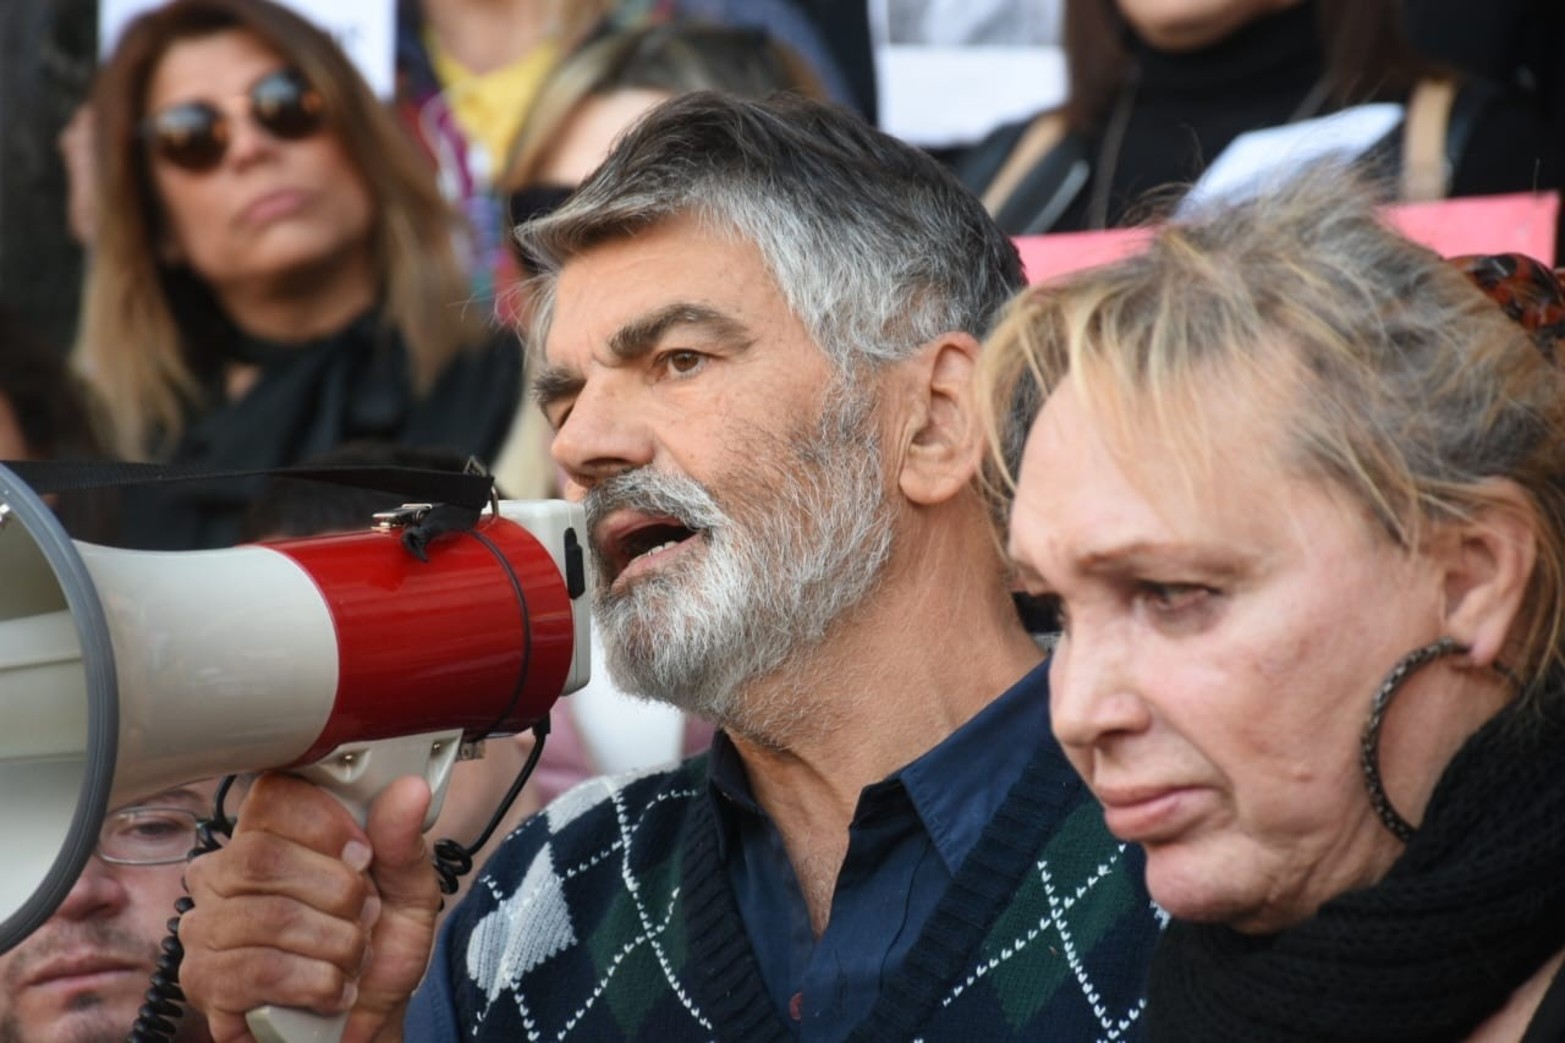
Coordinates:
(220, 245)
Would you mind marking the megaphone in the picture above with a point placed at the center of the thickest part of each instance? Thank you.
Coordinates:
(345, 658)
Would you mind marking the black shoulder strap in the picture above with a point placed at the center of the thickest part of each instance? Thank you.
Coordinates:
(455, 498)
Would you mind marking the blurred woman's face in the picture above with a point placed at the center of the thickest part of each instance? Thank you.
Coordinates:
(586, 137)
(1184, 25)
(1224, 636)
(276, 206)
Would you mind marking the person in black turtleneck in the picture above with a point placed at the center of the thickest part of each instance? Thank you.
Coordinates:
(274, 271)
(1159, 89)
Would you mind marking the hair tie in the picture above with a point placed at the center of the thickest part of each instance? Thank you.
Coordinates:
(1527, 290)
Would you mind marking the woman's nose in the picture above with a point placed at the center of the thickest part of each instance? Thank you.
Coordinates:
(1093, 691)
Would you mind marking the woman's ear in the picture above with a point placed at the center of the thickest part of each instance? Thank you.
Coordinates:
(943, 443)
(1487, 562)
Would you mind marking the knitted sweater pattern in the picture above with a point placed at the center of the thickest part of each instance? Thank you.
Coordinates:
(609, 916)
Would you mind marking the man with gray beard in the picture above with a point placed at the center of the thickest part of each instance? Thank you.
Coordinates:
(758, 324)
(808, 534)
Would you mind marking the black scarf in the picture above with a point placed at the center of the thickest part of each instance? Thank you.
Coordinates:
(1472, 909)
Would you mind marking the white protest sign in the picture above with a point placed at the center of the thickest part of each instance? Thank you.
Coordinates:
(365, 29)
(950, 71)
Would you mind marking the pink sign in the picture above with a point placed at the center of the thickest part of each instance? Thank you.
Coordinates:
(1523, 223)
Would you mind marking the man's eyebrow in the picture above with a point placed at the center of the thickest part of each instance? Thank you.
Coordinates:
(171, 797)
(640, 335)
(637, 337)
(553, 383)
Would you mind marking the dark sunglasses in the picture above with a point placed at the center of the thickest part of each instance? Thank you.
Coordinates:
(195, 134)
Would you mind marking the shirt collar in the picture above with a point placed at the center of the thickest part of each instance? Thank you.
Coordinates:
(959, 785)
(955, 788)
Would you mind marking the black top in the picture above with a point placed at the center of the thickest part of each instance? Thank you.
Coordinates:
(1548, 1021)
(354, 385)
(1185, 109)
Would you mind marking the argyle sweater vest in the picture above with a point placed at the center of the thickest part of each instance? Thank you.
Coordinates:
(609, 916)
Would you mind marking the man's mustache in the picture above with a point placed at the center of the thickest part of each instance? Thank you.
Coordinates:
(652, 492)
(97, 937)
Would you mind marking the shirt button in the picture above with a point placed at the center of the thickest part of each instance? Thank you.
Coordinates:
(796, 1006)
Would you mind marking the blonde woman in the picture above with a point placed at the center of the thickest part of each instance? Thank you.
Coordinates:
(1298, 489)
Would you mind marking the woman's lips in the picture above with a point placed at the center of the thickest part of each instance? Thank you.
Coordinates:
(273, 206)
(1148, 813)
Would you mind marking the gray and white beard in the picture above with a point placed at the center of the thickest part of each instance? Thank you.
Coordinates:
(789, 549)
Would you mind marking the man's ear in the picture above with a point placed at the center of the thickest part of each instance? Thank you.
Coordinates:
(1487, 561)
(942, 440)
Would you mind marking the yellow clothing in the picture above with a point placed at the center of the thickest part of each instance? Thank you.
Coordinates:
(490, 107)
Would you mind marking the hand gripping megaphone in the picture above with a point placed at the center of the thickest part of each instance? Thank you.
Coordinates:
(344, 658)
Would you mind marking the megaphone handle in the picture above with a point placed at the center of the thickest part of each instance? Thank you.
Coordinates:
(287, 1025)
(355, 774)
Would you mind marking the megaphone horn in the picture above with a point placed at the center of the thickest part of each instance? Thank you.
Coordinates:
(124, 673)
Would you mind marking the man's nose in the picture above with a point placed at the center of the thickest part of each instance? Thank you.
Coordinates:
(605, 433)
(99, 891)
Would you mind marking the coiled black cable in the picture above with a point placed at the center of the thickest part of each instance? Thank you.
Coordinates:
(454, 861)
(164, 1001)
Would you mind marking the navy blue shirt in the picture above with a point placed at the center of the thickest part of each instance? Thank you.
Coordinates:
(909, 835)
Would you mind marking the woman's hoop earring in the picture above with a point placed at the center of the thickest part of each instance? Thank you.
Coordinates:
(1369, 751)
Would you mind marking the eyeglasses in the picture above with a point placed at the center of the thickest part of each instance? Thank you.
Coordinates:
(194, 135)
(148, 836)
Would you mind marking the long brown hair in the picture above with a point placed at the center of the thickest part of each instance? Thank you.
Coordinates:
(1366, 54)
(130, 345)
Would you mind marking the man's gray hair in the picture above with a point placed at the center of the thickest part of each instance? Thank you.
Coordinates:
(874, 245)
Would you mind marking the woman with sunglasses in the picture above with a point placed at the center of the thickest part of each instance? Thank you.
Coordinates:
(274, 271)
(1298, 490)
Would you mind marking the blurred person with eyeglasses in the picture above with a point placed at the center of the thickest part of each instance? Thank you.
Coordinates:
(81, 977)
(273, 272)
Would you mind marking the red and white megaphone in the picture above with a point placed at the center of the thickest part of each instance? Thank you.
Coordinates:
(345, 658)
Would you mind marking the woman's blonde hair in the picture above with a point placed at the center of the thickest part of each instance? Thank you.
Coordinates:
(1388, 373)
(131, 345)
(676, 57)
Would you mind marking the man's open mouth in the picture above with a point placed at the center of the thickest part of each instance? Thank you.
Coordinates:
(637, 538)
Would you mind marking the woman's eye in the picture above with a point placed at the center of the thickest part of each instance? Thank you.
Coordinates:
(1174, 598)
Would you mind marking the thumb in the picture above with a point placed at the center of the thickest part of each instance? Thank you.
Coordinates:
(402, 870)
(403, 911)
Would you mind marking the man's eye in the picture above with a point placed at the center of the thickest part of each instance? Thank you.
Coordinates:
(683, 363)
(157, 828)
